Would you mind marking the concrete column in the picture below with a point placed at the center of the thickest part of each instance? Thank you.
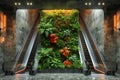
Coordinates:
(109, 41)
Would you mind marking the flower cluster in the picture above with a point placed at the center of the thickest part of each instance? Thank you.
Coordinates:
(65, 51)
(53, 38)
(67, 63)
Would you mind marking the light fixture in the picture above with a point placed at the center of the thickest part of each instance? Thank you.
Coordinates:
(15, 3)
(19, 3)
(86, 3)
(28, 3)
(89, 3)
(99, 3)
(31, 3)
(103, 3)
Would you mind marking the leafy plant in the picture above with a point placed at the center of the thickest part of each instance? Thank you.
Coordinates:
(59, 39)
(66, 33)
(76, 61)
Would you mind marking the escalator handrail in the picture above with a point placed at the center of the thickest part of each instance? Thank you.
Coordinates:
(91, 53)
(96, 49)
(22, 68)
(26, 57)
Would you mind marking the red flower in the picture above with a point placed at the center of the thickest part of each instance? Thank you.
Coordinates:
(67, 63)
(53, 38)
(65, 51)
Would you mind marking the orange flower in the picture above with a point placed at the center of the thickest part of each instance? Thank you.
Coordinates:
(53, 38)
(67, 63)
(65, 51)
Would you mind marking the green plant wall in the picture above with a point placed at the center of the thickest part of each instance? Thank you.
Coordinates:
(58, 30)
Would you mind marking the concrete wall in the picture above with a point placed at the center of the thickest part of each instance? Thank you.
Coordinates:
(8, 46)
(24, 21)
(117, 36)
(110, 41)
(94, 20)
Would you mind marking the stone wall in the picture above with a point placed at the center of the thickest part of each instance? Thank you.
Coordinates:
(117, 36)
(110, 41)
(94, 20)
(24, 20)
(17, 29)
(8, 46)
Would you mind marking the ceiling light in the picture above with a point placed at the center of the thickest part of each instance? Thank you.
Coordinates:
(31, 3)
(28, 3)
(15, 3)
(85, 3)
(103, 3)
(89, 3)
(19, 3)
(99, 3)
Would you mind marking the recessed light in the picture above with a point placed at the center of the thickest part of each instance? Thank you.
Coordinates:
(103, 3)
(85, 3)
(99, 3)
(89, 3)
(28, 3)
(31, 3)
(15, 3)
(19, 3)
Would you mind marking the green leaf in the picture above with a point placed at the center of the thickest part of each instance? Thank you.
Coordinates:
(46, 33)
(42, 31)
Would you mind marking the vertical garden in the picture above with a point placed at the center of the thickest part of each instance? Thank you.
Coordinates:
(58, 31)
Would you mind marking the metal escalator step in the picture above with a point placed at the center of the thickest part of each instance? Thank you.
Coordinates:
(29, 67)
(90, 64)
(30, 63)
(86, 51)
(83, 45)
(32, 55)
(88, 59)
(91, 67)
(87, 55)
(31, 59)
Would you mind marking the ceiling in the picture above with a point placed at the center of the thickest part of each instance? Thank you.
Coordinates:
(59, 4)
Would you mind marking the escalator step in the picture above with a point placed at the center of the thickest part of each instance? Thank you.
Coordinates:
(89, 60)
(85, 51)
(90, 64)
(91, 67)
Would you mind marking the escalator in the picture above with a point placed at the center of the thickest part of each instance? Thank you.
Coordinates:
(86, 53)
(25, 59)
(92, 59)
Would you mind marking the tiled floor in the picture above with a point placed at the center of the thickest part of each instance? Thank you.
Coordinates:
(59, 76)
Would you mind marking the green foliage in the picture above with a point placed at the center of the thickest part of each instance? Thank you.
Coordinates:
(76, 61)
(66, 33)
(46, 28)
(65, 25)
(45, 57)
(45, 51)
(55, 63)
